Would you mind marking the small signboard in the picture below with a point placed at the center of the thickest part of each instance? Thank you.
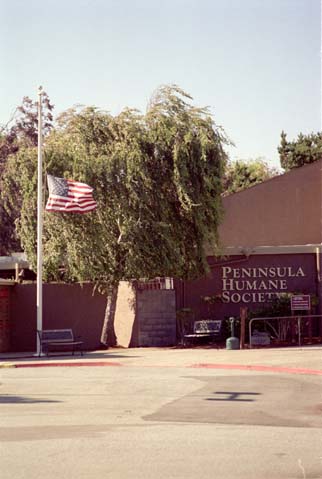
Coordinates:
(301, 302)
(260, 339)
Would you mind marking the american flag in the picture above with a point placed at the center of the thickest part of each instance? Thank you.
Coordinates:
(68, 196)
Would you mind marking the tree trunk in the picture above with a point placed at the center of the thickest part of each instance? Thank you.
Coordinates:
(108, 337)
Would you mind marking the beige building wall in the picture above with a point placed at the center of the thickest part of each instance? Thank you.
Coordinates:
(286, 210)
(124, 314)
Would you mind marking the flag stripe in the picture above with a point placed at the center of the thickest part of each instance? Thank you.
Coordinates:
(76, 199)
(70, 205)
(75, 210)
(62, 201)
(79, 191)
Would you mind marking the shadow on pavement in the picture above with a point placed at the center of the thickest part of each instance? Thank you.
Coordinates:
(233, 396)
(67, 356)
(108, 355)
(7, 399)
(261, 400)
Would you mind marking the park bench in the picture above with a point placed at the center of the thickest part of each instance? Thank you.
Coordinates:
(207, 328)
(58, 340)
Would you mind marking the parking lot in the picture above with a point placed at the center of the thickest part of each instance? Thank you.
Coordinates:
(156, 413)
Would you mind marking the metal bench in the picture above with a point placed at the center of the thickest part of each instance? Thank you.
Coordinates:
(58, 340)
(207, 328)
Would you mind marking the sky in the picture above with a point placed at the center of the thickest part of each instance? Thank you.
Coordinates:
(255, 63)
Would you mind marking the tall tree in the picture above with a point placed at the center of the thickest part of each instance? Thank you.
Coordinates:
(242, 174)
(157, 181)
(21, 131)
(305, 149)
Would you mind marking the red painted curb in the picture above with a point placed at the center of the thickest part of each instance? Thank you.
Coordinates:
(275, 369)
(65, 364)
(241, 367)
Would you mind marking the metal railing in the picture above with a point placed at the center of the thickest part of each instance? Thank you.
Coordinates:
(286, 325)
(156, 283)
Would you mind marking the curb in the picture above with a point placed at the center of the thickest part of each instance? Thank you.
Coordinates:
(272, 369)
(241, 367)
(7, 365)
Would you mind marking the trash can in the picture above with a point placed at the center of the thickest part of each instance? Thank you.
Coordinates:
(4, 320)
(232, 342)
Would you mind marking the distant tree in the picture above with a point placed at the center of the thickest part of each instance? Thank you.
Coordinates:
(8, 240)
(157, 181)
(305, 149)
(242, 174)
(22, 128)
(21, 131)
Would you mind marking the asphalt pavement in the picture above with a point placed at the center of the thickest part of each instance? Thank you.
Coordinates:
(163, 413)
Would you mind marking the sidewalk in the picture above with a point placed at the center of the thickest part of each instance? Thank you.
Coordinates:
(303, 360)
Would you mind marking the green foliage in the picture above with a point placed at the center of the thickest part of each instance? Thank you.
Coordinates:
(157, 182)
(277, 306)
(241, 174)
(8, 238)
(22, 128)
(20, 133)
(305, 149)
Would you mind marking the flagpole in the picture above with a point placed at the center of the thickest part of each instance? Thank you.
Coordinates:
(39, 221)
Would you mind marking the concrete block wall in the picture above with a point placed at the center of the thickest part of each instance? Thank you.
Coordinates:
(156, 317)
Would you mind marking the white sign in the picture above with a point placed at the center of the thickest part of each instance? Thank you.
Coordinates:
(301, 302)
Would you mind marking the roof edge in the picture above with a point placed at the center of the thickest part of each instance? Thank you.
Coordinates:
(292, 171)
(281, 249)
(7, 282)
